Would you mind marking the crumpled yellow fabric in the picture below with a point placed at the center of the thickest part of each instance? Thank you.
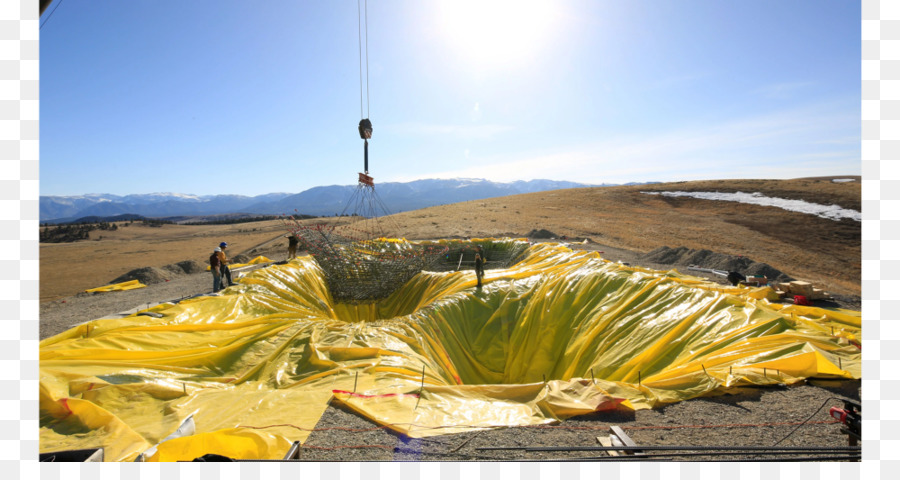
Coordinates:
(255, 261)
(115, 287)
(558, 334)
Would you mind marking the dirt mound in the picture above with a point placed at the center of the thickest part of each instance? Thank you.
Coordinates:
(146, 275)
(717, 261)
(151, 275)
(173, 270)
(183, 267)
(242, 258)
(191, 266)
(541, 234)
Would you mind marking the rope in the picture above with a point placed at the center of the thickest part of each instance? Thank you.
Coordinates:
(368, 110)
(359, 34)
(807, 420)
(551, 427)
(735, 425)
(360, 14)
(341, 447)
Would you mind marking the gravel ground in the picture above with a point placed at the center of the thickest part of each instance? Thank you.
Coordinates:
(754, 417)
(60, 315)
(786, 416)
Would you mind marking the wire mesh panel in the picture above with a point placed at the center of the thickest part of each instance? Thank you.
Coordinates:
(361, 264)
(497, 254)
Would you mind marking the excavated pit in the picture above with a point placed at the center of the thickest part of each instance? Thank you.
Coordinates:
(557, 333)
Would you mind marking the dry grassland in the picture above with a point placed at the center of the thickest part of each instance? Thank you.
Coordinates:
(69, 268)
(822, 251)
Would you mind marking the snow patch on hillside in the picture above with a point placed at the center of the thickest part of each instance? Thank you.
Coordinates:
(831, 212)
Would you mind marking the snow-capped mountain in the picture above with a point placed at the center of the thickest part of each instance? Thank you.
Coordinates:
(325, 200)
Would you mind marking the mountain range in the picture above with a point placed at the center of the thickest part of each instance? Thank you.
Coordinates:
(317, 201)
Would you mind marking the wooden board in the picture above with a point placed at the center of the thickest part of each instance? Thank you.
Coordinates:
(607, 442)
(617, 434)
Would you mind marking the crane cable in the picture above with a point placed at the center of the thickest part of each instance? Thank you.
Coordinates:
(360, 19)
(51, 14)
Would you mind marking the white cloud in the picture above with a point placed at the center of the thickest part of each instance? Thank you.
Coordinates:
(781, 145)
(782, 90)
(459, 131)
(853, 140)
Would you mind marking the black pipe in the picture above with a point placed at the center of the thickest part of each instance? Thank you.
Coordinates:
(703, 454)
(807, 459)
(669, 458)
(366, 157)
(674, 447)
(696, 449)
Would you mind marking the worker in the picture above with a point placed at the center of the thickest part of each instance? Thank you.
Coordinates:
(479, 265)
(735, 278)
(214, 265)
(223, 265)
(293, 241)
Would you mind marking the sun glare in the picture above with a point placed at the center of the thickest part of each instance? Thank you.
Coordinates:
(498, 32)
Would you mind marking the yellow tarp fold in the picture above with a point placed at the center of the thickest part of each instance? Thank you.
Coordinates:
(560, 333)
(115, 287)
(255, 261)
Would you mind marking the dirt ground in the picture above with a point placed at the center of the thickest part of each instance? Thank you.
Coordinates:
(621, 222)
(762, 417)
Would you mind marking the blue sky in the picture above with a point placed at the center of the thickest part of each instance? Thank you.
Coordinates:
(207, 97)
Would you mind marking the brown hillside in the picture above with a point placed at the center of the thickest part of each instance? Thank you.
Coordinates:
(825, 252)
(804, 246)
(69, 268)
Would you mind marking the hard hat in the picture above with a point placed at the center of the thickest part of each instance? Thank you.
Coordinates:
(223, 244)
(217, 249)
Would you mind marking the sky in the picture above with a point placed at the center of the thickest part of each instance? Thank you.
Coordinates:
(235, 97)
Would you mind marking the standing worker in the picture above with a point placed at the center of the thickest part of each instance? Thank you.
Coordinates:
(214, 265)
(293, 241)
(223, 265)
(479, 265)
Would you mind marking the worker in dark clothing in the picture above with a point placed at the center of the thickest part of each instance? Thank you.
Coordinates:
(293, 241)
(479, 265)
(214, 264)
(735, 278)
(223, 265)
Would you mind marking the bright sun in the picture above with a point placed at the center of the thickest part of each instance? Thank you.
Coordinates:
(496, 31)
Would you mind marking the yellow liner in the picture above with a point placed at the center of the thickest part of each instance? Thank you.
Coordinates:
(256, 261)
(561, 333)
(116, 287)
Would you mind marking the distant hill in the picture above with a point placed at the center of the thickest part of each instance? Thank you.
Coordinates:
(318, 201)
(115, 218)
(64, 209)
